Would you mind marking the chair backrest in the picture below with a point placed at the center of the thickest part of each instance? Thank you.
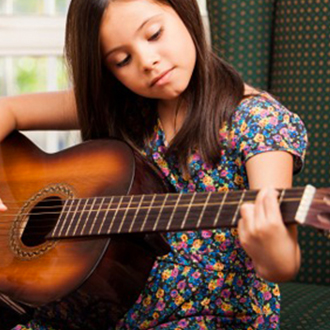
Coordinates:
(283, 46)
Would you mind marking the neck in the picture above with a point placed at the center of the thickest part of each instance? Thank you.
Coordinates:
(168, 105)
(162, 213)
(172, 115)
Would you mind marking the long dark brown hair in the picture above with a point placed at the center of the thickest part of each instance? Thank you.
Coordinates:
(106, 108)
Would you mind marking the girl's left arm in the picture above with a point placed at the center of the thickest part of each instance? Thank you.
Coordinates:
(272, 246)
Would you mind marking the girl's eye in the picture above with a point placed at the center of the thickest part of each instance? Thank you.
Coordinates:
(124, 62)
(156, 35)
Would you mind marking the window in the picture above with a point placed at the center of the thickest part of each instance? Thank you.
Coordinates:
(31, 45)
(31, 60)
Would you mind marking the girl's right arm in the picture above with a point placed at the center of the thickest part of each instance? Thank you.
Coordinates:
(56, 110)
(43, 111)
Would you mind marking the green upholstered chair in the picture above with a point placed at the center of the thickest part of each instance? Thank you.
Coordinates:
(283, 46)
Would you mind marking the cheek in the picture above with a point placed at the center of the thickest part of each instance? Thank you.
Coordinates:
(184, 46)
(189, 46)
(121, 76)
(129, 80)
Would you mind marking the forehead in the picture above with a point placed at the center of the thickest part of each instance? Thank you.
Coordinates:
(122, 18)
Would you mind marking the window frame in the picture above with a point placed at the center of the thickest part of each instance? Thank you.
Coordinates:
(31, 35)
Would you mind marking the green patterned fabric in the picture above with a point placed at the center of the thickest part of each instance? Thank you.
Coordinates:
(315, 266)
(300, 78)
(284, 46)
(305, 306)
(241, 33)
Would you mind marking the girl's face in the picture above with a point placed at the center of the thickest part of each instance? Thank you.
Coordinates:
(148, 48)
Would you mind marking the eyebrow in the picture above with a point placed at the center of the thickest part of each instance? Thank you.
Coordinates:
(139, 29)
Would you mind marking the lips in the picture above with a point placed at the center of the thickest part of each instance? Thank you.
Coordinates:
(158, 78)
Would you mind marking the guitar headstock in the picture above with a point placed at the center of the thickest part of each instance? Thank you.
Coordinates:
(318, 212)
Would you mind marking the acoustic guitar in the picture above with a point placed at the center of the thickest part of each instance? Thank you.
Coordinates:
(90, 219)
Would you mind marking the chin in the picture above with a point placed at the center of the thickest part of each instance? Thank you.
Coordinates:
(172, 97)
(175, 93)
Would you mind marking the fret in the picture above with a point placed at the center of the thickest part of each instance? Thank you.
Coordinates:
(82, 212)
(203, 210)
(132, 213)
(106, 212)
(148, 212)
(96, 216)
(234, 222)
(211, 210)
(160, 212)
(135, 214)
(174, 210)
(65, 214)
(125, 214)
(215, 224)
(188, 211)
(114, 215)
(281, 196)
(119, 214)
(196, 208)
(72, 217)
(87, 217)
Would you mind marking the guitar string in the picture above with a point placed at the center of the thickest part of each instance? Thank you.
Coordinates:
(43, 222)
(39, 206)
(201, 197)
(138, 222)
(123, 208)
(107, 210)
(233, 194)
(162, 222)
(114, 207)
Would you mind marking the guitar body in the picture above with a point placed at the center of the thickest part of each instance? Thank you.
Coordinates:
(36, 271)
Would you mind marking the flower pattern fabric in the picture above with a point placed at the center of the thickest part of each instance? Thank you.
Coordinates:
(207, 281)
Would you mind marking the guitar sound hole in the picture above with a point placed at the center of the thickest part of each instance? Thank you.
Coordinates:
(42, 220)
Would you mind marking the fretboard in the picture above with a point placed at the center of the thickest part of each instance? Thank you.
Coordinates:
(161, 212)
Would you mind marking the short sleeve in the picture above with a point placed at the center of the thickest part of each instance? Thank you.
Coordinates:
(266, 125)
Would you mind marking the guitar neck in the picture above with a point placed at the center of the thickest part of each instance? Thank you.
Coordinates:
(162, 212)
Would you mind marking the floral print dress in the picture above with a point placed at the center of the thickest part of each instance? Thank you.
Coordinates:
(207, 281)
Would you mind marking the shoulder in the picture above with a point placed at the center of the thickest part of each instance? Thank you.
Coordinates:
(259, 102)
(261, 123)
(263, 109)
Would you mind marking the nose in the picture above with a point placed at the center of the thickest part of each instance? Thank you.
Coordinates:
(149, 58)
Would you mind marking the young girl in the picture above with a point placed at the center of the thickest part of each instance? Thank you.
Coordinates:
(142, 71)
